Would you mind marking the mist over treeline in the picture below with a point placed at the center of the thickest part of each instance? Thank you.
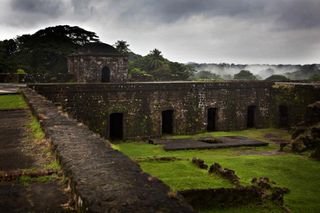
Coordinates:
(42, 57)
(261, 71)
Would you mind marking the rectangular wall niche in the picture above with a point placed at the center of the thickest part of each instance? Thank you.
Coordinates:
(167, 122)
(116, 126)
(283, 116)
(211, 119)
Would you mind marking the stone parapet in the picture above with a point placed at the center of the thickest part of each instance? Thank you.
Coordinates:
(101, 178)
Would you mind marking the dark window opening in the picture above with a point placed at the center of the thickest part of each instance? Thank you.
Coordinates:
(251, 116)
(211, 119)
(105, 74)
(116, 126)
(167, 122)
(283, 116)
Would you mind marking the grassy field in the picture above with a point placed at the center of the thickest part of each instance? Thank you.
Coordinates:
(298, 173)
(12, 102)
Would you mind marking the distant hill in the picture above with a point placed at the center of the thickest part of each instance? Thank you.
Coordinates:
(293, 72)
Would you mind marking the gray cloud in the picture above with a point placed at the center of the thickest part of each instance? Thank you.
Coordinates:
(300, 14)
(48, 7)
(240, 31)
(287, 13)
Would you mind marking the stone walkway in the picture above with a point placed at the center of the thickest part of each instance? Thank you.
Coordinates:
(225, 142)
(17, 152)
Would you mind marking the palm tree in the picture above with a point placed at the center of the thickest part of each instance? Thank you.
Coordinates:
(122, 46)
(156, 59)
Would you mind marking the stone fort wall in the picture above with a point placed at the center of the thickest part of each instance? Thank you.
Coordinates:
(142, 104)
(101, 179)
(87, 68)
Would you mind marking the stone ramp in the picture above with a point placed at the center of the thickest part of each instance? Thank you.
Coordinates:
(12, 133)
(102, 179)
(226, 142)
(33, 197)
(18, 158)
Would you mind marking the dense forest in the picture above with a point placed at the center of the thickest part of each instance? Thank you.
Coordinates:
(42, 57)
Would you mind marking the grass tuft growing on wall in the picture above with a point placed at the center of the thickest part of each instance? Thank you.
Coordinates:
(12, 102)
(36, 129)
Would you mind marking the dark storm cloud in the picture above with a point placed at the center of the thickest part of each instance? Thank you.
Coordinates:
(174, 10)
(285, 13)
(300, 14)
(48, 7)
(240, 31)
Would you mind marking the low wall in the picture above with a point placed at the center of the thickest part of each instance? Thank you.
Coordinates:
(12, 78)
(296, 96)
(142, 104)
(102, 179)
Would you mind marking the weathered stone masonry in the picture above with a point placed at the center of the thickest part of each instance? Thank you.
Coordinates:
(98, 62)
(143, 103)
(101, 179)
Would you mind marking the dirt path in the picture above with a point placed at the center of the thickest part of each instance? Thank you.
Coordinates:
(18, 150)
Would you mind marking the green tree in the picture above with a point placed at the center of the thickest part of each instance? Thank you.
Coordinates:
(122, 46)
(204, 74)
(160, 68)
(7, 50)
(180, 71)
(244, 75)
(3, 64)
(137, 74)
(45, 52)
(156, 59)
(277, 78)
(315, 77)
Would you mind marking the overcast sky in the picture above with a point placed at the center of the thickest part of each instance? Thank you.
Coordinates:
(232, 31)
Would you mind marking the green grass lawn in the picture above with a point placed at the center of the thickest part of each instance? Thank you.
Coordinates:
(12, 102)
(298, 173)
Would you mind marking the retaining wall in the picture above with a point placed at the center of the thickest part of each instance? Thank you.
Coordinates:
(142, 104)
(101, 179)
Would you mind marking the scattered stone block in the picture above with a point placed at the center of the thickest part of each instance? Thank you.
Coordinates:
(199, 163)
(225, 142)
(268, 190)
(226, 173)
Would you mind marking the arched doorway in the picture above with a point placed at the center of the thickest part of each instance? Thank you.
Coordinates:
(105, 74)
(167, 121)
(211, 119)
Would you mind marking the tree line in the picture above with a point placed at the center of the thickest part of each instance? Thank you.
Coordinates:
(43, 55)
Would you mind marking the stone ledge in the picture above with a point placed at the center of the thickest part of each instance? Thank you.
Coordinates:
(102, 179)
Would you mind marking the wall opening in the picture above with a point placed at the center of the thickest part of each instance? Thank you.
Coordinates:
(251, 113)
(283, 116)
(105, 74)
(116, 126)
(211, 119)
(167, 121)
